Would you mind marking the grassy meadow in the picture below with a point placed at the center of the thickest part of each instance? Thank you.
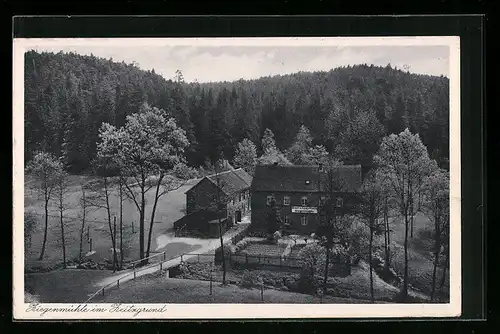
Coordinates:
(170, 208)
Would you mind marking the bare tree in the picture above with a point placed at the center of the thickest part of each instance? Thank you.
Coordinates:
(84, 206)
(120, 198)
(436, 207)
(386, 204)
(61, 191)
(405, 161)
(371, 208)
(100, 196)
(331, 229)
(220, 204)
(45, 167)
(30, 225)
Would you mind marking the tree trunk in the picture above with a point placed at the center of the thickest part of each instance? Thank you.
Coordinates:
(141, 226)
(404, 292)
(115, 257)
(110, 226)
(82, 230)
(327, 264)
(121, 225)
(436, 260)
(411, 218)
(370, 250)
(63, 241)
(219, 204)
(387, 240)
(446, 264)
(45, 230)
(151, 222)
(437, 250)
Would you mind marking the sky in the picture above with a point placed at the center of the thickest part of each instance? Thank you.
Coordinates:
(204, 63)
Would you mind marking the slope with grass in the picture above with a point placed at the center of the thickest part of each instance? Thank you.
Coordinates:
(158, 289)
(420, 263)
(63, 286)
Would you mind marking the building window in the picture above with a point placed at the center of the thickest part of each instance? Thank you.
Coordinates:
(321, 167)
(270, 198)
(322, 200)
(303, 220)
(286, 200)
(340, 202)
(287, 219)
(303, 201)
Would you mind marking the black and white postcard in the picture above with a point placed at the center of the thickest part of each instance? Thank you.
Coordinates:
(212, 178)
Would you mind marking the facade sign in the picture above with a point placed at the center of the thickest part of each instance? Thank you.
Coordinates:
(304, 209)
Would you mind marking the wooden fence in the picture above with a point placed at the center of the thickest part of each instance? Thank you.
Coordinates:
(136, 269)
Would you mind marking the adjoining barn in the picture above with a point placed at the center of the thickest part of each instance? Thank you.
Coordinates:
(202, 223)
(233, 189)
(298, 193)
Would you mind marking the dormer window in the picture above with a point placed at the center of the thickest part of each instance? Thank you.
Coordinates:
(303, 201)
(340, 202)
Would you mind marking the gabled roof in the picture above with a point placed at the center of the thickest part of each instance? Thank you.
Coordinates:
(230, 181)
(294, 178)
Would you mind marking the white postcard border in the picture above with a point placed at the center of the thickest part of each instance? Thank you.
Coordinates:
(243, 311)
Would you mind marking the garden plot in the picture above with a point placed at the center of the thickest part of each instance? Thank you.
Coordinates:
(295, 251)
(256, 249)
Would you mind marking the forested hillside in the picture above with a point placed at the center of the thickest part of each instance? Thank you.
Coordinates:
(68, 96)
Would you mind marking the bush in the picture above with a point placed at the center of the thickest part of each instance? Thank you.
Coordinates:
(276, 236)
(257, 233)
(242, 244)
(249, 279)
(185, 172)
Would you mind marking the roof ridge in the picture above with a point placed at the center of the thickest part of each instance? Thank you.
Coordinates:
(219, 174)
(240, 176)
(306, 166)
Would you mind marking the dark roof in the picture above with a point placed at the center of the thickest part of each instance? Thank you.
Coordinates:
(305, 178)
(231, 181)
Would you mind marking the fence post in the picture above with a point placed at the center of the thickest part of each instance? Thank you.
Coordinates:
(181, 259)
(210, 283)
(246, 259)
(262, 291)
(164, 255)
(118, 283)
(134, 273)
(161, 267)
(103, 291)
(280, 261)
